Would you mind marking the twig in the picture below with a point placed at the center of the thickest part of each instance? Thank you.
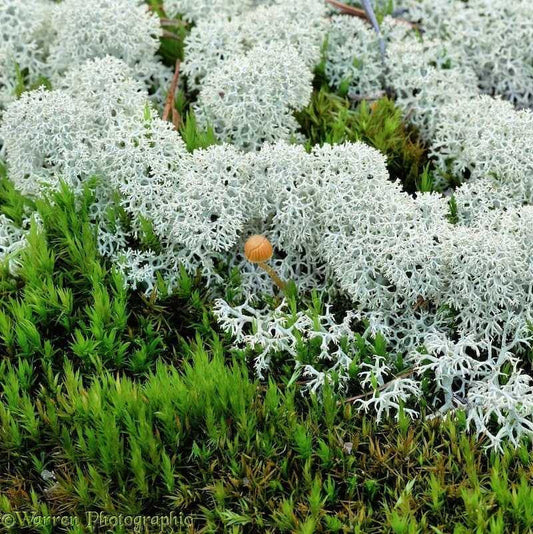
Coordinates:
(349, 10)
(361, 13)
(169, 104)
(171, 23)
(176, 118)
(170, 35)
(368, 393)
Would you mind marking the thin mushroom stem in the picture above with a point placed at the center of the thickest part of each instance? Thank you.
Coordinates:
(273, 274)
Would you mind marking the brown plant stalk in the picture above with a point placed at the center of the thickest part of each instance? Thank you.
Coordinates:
(361, 13)
(169, 104)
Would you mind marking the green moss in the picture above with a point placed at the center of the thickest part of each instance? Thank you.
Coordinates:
(330, 118)
(139, 407)
(194, 136)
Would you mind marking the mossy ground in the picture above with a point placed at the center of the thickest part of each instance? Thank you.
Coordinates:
(139, 406)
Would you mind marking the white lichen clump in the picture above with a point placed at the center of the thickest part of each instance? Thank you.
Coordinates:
(25, 32)
(230, 103)
(43, 40)
(300, 24)
(195, 10)
(280, 332)
(425, 75)
(492, 37)
(91, 28)
(109, 87)
(353, 57)
(44, 135)
(490, 140)
(274, 47)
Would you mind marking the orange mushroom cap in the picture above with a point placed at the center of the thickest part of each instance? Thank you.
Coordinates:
(258, 249)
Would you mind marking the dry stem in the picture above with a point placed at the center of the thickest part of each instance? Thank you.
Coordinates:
(361, 13)
(169, 104)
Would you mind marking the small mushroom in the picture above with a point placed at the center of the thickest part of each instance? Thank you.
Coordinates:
(258, 249)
